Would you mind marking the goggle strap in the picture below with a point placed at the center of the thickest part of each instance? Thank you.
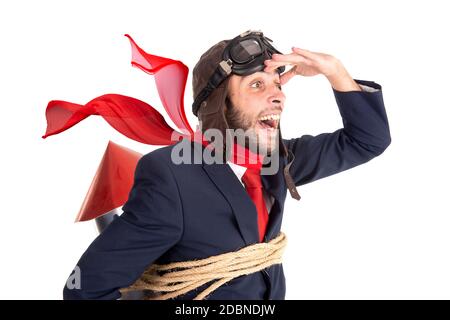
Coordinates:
(226, 66)
(214, 81)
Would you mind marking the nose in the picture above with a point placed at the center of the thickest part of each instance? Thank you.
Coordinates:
(276, 97)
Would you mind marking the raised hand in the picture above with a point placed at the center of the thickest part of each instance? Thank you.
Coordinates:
(308, 63)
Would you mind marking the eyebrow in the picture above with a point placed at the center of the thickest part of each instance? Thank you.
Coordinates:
(259, 76)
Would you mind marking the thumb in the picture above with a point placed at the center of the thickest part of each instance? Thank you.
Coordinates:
(285, 77)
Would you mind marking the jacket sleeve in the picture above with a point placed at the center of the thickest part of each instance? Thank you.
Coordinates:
(365, 135)
(151, 223)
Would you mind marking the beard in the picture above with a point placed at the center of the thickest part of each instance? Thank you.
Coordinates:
(238, 121)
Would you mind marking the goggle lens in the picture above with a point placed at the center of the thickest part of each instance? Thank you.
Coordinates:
(245, 50)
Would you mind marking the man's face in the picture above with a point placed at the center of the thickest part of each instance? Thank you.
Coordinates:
(256, 105)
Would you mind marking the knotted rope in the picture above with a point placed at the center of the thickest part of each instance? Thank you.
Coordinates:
(177, 278)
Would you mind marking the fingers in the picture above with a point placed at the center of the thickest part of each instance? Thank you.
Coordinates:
(279, 60)
(306, 53)
(285, 77)
(272, 65)
(292, 58)
(298, 57)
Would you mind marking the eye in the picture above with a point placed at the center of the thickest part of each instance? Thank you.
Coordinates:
(256, 84)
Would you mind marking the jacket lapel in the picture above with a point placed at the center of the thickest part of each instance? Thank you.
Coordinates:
(243, 208)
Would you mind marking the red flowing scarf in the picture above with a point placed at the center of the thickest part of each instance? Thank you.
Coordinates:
(132, 117)
(137, 119)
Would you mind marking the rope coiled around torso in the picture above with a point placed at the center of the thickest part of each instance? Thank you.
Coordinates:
(177, 278)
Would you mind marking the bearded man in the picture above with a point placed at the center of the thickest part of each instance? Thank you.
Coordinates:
(211, 229)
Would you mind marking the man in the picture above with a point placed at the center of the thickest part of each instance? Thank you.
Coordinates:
(189, 211)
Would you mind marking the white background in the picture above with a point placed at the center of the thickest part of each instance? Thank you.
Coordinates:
(379, 231)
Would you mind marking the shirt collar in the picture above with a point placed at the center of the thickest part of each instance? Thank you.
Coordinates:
(237, 169)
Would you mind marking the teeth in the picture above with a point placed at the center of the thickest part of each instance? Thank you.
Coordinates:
(270, 117)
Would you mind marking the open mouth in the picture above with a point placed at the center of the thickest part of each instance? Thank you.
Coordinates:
(269, 121)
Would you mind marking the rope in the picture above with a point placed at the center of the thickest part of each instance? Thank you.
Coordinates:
(177, 278)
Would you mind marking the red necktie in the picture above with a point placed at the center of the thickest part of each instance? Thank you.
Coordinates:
(253, 185)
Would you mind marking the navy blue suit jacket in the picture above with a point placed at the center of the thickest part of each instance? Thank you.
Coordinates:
(193, 211)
